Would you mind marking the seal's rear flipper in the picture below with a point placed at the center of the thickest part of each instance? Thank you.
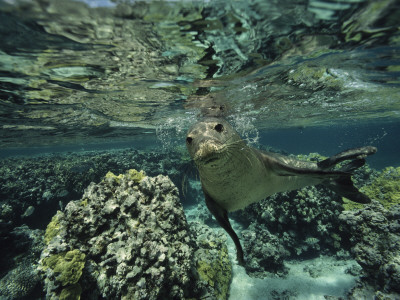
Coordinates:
(356, 154)
(344, 185)
(345, 188)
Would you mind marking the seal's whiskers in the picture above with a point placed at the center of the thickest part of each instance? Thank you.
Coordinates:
(232, 149)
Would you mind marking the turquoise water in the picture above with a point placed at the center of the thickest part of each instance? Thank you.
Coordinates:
(88, 87)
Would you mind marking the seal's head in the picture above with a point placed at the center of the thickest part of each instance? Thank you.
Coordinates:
(209, 142)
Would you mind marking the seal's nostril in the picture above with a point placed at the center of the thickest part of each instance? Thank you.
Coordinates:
(219, 127)
(189, 140)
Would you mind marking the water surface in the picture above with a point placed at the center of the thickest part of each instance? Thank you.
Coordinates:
(77, 72)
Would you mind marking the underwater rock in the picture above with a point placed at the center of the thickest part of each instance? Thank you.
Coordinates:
(28, 241)
(385, 187)
(19, 282)
(200, 213)
(47, 183)
(212, 262)
(374, 235)
(6, 211)
(20, 259)
(6, 218)
(304, 221)
(263, 250)
(128, 238)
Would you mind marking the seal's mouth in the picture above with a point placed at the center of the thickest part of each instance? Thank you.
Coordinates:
(208, 153)
(205, 160)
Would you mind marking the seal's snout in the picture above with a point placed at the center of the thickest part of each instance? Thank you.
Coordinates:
(207, 152)
(202, 149)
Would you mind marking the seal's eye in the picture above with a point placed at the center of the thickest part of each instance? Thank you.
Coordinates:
(219, 127)
(189, 140)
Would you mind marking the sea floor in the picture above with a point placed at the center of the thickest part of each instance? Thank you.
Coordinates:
(310, 279)
(332, 280)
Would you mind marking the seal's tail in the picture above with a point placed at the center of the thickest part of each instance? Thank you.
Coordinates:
(344, 185)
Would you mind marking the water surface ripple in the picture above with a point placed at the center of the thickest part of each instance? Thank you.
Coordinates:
(93, 70)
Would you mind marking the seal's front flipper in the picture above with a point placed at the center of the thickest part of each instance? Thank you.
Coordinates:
(221, 215)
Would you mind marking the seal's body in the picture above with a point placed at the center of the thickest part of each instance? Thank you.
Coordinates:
(234, 175)
(247, 177)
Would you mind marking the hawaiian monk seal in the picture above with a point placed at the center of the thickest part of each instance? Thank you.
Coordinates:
(234, 175)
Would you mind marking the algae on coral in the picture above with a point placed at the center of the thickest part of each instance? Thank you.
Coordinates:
(213, 266)
(217, 273)
(67, 265)
(385, 188)
(131, 174)
(53, 228)
(71, 292)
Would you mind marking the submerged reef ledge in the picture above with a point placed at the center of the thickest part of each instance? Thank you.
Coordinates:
(128, 238)
(33, 188)
(374, 235)
(114, 238)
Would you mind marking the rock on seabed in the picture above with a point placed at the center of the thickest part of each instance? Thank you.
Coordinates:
(374, 234)
(129, 237)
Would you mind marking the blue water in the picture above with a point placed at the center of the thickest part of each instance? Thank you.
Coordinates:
(326, 141)
(334, 139)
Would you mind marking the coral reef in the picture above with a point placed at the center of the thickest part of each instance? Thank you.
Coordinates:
(385, 187)
(374, 235)
(20, 258)
(304, 221)
(129, 237)
(19, 282)
(48, 182)
(33, 188)
(101, 225)
(264, 250)
(212, 262)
